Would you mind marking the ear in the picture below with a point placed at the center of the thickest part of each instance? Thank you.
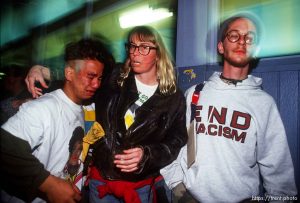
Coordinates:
(220, 48)
(69, 73)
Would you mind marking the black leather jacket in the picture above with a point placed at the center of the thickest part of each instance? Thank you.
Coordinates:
(159, 128)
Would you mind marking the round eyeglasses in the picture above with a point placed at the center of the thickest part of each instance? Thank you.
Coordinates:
(143, 49)
(234, 36)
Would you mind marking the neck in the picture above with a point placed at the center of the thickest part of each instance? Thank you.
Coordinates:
(235, 73)
(69, 92)
(230, 80)
(146, 79)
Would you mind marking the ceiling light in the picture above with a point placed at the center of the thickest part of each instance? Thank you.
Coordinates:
(142, 16)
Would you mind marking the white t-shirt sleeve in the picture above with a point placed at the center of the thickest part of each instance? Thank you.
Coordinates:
(28, 123)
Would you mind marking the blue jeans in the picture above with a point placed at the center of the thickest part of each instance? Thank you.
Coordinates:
(163, 194)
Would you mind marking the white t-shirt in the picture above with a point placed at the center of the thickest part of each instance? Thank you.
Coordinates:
(145, 92)
(48, 124)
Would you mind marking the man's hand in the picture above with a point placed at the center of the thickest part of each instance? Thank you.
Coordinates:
(128, 162)
(60, 191)
(37, 73)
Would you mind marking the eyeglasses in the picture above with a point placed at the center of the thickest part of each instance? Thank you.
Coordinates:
(234, 36)
(143, 49)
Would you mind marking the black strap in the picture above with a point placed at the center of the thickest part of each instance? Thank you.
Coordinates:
(195, 99)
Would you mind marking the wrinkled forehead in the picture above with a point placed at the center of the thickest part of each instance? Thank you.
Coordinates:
(243, 25)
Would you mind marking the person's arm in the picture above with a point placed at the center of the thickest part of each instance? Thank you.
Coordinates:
(174, 173)
(59, 191)
(273, 156)
(24, 176)
(37, 79)
(21, 172)
(40, 74)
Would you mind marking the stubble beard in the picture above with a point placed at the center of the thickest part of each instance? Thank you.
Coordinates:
(239, 63)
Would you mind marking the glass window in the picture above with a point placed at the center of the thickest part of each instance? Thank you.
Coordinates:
(47, 38)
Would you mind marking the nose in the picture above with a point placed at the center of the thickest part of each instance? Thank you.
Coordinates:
(242, 40)
(96, 83)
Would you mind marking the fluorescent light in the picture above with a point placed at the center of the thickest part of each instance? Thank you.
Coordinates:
(142, 16)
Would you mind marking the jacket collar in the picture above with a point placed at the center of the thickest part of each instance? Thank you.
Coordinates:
(129, 93)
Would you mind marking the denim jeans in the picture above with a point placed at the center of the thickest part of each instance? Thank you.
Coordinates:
(163, 194)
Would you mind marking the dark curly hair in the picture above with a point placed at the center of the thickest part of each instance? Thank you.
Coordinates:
(90, 48)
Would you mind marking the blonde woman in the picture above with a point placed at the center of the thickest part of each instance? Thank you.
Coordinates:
(143, 116)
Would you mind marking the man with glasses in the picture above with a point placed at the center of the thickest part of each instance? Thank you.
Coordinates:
(237, 129)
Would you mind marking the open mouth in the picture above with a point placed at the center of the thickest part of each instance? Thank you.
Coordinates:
(135, 63)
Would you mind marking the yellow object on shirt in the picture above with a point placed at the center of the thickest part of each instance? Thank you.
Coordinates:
(94, 134)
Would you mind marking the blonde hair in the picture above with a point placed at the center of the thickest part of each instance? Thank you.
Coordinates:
(165, 69)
